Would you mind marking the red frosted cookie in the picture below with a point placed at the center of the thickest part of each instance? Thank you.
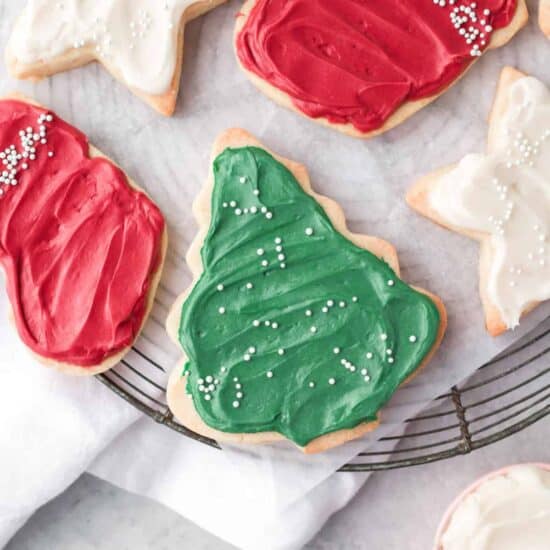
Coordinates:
(81, 246)
(364, 66)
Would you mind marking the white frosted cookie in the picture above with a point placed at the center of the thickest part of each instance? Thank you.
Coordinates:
(140, 42)
(502, 199)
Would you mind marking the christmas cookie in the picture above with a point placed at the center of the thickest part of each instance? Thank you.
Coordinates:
(82, 247)
(365, 66)
(502, 199)
(140, 42)
(544, 17)
(293, 327)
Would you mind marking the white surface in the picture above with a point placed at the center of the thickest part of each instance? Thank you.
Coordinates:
(55, 427)
(397, 510)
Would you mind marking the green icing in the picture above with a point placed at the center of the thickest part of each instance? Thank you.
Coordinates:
(338, 331)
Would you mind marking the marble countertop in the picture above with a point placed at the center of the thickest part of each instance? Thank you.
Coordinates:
(93, 515)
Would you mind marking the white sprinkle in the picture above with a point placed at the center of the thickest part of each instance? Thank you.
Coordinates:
(354, 299)
(239, 395)
(369, 355)
(336, 350)
(221, 310)
(383, 336)
(236, 404)
(281, 351)
(311, 384)
(391, 282)
(209, 379)
(260, 251)
(412, 338)
(313, 329)
(275, 325)
(390, 359)
(242, 179)
(309, 313)
(269, 374)
(278, 240)
(256, 323)
(220, 287)
(309, 231)
(252, 349)
(331, 381)
(249, 286)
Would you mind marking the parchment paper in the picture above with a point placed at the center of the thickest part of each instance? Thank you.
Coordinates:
(169, 158)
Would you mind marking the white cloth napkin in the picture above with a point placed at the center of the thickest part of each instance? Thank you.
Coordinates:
(54, 427)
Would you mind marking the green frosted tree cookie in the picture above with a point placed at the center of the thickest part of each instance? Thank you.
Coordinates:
(291, 327)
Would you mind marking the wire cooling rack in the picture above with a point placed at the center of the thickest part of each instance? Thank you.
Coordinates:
(503, 397)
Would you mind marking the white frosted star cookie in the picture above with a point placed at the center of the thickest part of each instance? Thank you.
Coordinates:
(502, 199)
(140, 42)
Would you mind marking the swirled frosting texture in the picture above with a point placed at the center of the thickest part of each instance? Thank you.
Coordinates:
(356, 61)
(78, 244)
(508, 512)
(291, 327)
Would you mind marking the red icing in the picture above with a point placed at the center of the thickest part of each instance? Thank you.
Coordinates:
(78, 245)
(357, 61)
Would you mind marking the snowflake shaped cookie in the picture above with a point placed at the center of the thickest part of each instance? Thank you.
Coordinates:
(502, 199)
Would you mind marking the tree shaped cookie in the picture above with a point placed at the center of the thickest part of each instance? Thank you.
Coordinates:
(364, 66)
(502, 199)
(140, 42)
(544, 17)
(81, 246)
(294, 327)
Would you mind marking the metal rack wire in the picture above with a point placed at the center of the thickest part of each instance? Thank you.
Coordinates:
(503, 397)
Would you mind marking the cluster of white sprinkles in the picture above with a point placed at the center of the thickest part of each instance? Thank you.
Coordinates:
(276, 253)
(207, 386)
(522, 153)
(100, 34)
(16, 158)
(472, 23)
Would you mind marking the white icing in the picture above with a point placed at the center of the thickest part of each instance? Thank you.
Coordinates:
(137, 38)
(509, 512)
(506, 194)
